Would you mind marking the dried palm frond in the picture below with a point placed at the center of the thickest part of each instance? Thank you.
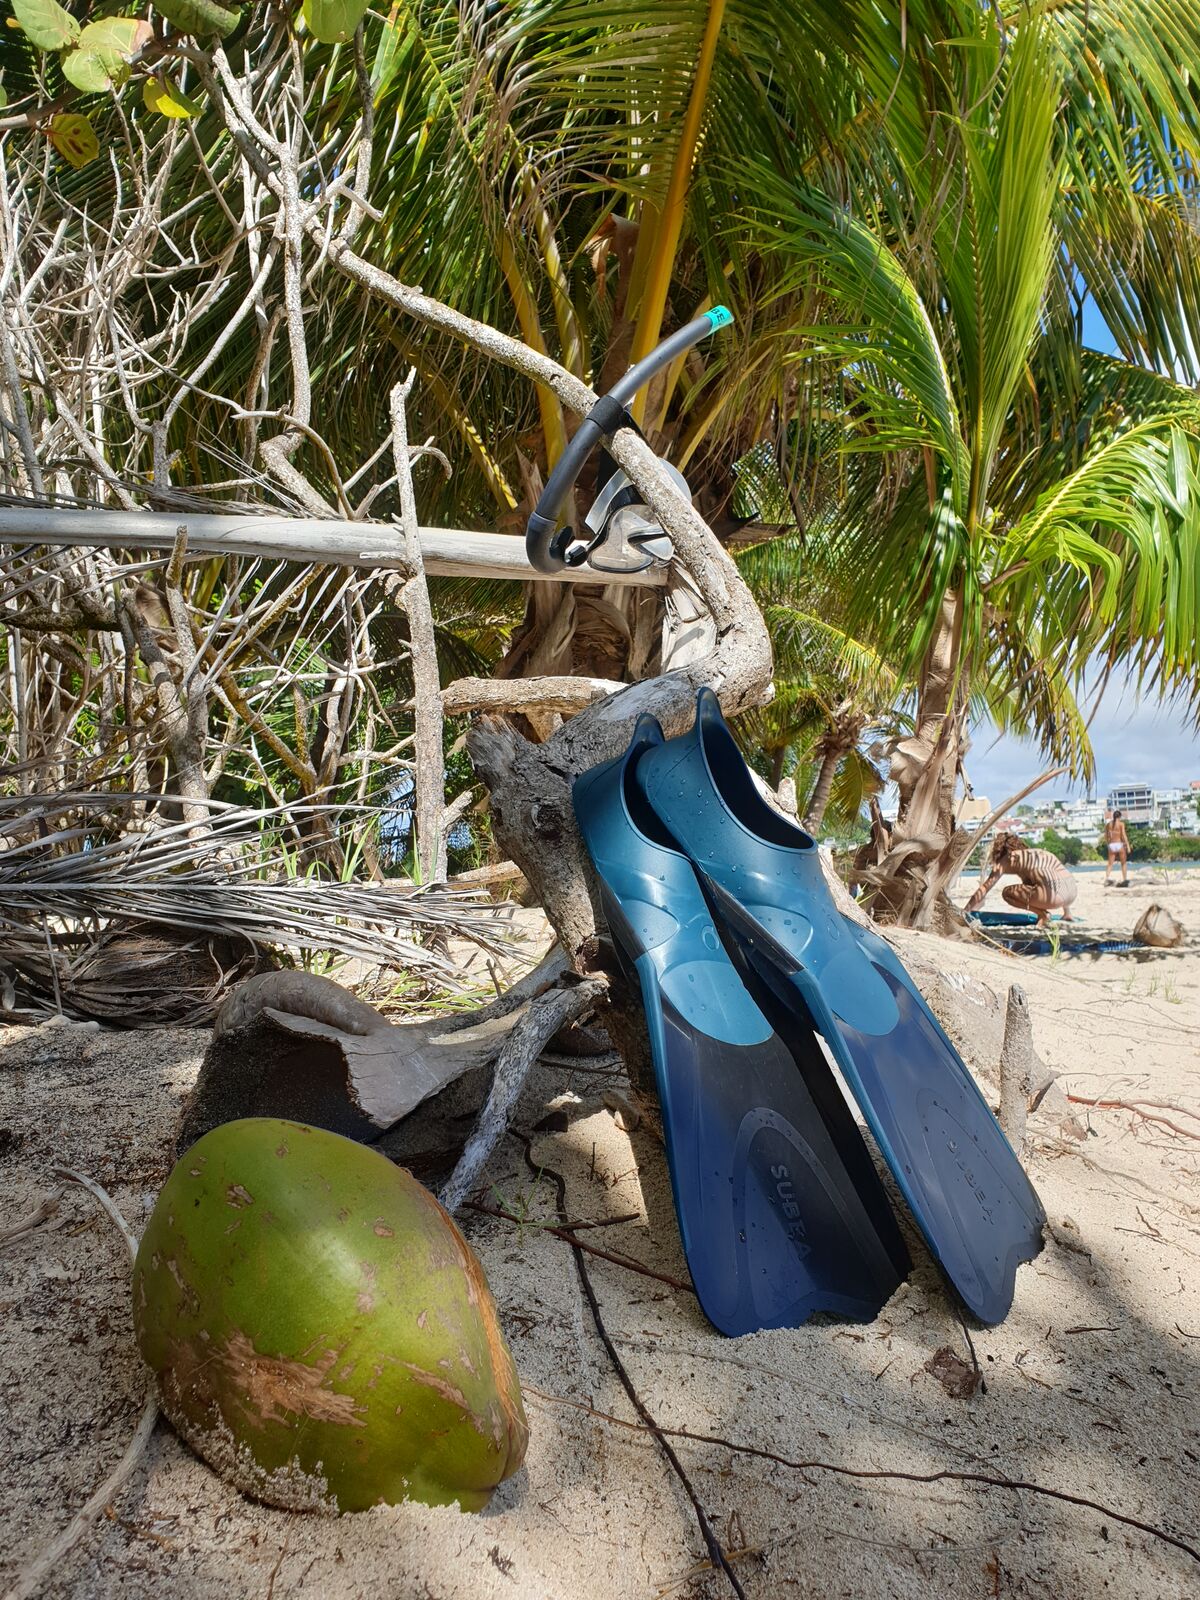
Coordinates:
(127, 974)
(153, 926)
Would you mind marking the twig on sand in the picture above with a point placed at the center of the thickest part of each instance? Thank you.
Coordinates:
(42, 1566)
(712, 1544)
(604, 1222)
(1135, 1108)
(568, 1236)
(30, 1224)
(106, 1200)
(945, 1475)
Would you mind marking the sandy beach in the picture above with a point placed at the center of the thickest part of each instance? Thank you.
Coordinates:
(1089, 1388)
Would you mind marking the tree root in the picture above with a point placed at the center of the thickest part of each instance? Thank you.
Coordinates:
(986, 1480)
(712, 1544)
(567, 1234)
(30, 1580)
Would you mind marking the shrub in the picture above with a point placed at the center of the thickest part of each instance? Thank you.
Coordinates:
(1065, 846)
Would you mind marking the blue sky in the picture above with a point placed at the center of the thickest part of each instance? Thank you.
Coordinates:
(1147, 742)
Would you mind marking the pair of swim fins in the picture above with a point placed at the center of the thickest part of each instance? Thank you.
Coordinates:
(718, 905)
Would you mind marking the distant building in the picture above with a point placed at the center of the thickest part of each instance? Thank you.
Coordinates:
(970, 811)
(1143, 806)
(1080, 817)
(1135, 802)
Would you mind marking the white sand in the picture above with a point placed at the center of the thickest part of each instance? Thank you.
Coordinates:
(1091, 1383)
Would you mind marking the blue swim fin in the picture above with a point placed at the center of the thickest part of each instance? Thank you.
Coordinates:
(781, 1211)
(763, 880)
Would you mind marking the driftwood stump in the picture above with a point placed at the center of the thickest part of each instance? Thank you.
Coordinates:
(1016, 1068)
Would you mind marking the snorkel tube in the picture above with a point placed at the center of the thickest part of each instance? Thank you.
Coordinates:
(551, 548)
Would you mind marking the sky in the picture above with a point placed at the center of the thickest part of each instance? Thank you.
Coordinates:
(1144, 743)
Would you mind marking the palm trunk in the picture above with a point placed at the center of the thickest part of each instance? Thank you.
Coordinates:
(832, 751)
(907, 867)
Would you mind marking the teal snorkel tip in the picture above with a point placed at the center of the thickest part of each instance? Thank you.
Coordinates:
(720, 317)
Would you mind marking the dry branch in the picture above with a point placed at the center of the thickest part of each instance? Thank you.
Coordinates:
(547, 1014)
(413, 595)
(446, 552)
(511, 696)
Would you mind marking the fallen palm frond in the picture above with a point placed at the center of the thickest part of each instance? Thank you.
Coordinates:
(375, 922)
(155, 926)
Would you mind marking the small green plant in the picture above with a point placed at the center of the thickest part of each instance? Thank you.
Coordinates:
(520, 1209)
(1054, 934)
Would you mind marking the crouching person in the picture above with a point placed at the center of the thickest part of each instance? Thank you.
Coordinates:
(1045, 884)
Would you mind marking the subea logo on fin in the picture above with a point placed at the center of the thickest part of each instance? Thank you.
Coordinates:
(786, 1190)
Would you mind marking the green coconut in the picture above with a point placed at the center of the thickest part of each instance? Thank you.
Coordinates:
(321, 1332)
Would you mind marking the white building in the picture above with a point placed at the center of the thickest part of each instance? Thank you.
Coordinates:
(1081, 816)
(1180, 818)
(1135, 802)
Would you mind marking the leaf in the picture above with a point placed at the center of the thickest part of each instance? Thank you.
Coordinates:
(334, 21)
(168, 99)
(74, 138)
(46, 25)
(200, 17)
(3, 97)
(958, 1379)
(387, 54)
(101, 59)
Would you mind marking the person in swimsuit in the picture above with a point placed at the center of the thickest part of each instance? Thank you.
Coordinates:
(1117, 843)
(1045, 883)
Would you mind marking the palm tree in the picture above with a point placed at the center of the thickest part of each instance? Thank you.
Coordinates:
(933, 188)
(831, 690)
(1015, 507)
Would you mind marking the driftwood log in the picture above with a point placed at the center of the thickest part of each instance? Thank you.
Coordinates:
(289, 1045)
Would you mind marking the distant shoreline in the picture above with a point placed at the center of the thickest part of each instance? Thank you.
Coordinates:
(1098, 866)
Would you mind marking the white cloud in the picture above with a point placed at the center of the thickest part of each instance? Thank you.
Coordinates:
(1145, 742)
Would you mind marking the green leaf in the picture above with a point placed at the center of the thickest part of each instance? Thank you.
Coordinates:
(167, 98)
(74, 138)
(101, 59)
(200, 17)
(3, 97)
(387, 54)
(46, 24)
(334, 21)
